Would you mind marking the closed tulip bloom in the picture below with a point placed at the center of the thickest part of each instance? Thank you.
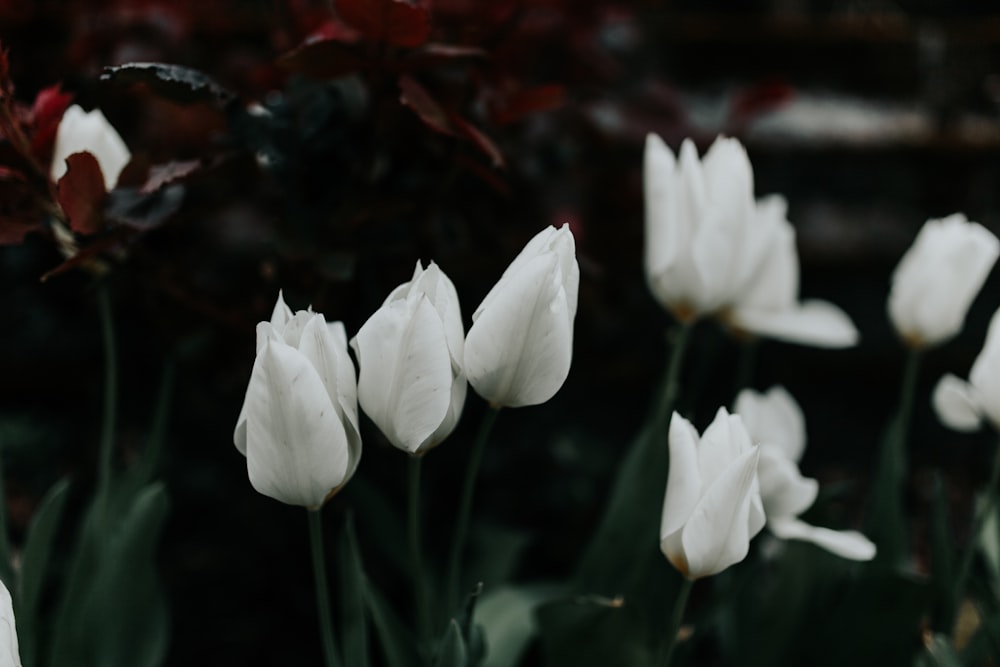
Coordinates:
(10, 655)
(299, 424)
(410, 352)
(775, 421)
(519, 349)
(89, 132)
(938, 277)
(713, 505)
(964, 405)
(712, 250)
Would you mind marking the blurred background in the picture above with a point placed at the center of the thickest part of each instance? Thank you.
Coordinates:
(869, 116)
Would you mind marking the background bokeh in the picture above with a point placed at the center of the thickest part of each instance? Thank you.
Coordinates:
(869, 116)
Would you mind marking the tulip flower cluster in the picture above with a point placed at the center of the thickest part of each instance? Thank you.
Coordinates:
(298, 426)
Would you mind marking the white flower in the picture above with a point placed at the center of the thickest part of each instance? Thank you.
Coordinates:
(775, 421)
(711, 250)
(713, 505)
(298, 426)
(410, 353)
(10, 655)
(519, 349)
(963, 405)
(89, 132)
(938, 277)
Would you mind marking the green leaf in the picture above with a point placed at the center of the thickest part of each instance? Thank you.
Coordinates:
(942, 559)
(507, 617)
(398, 645)
(591, 631)
(354, 631)
(38, 545)
(451, 650)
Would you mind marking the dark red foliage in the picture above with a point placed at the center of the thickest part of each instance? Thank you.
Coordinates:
(394, 22)
(82, 193)
(47, 111)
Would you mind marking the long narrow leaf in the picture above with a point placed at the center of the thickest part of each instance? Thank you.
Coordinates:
(354, 624)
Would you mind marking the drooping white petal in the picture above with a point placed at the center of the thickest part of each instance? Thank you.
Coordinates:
(815, 323)
(296, 447)
(717, 534)
(775, 418)
(519, 349)
(89, 132)
(769, 263)
(955, 403)
(844, 543)
(783, 489)
(683, 478)
(406, 378)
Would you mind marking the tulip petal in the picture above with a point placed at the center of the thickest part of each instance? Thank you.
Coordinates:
(718, 534)
(774, 418)
(281, 313)
(295, 445)
(848, 544)
(406, 377)
(783, 489)
(814, 322)
(658, 174)
(519, 350)
(683, 477)
(724, 440)
(955, 403)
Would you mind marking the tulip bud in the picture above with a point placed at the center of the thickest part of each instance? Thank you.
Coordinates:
(298, 426)
(938, 277)
(10, 655)
(89, 132)
(410, 353)
(963, 405)
(711, 250)
(519, 349)
(774, 420)
(712, 506)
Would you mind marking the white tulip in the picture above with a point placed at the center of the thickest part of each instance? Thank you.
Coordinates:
(711, 250)
(963, 405)
(775, 421)
(10, 655)
(89, 132)
(938, 277)
(713, 505)
(410, 353)
(519, 349)
(298, 426)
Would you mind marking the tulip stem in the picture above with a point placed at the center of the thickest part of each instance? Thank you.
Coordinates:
(671, 386)
(420, 607)
(670, 639)
(107, 442)
(322, 588)
(981, 513)
(888, 521)
(465, 505)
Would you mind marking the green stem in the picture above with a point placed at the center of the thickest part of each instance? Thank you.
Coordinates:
(671, 385)
(907, 391)
(465, 505)
(979, 517)
(322, 588)
(670, 640)
(106, 452)
(6, 562)
(416, 552)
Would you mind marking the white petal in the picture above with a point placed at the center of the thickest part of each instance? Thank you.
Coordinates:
(717, 534)
(774, 418)
(770, 273)
(783, 489)
(281, 313)
(406, 374)
(724, 440)
(955, 403)
(844, 543)
(10, 655)
(658, 178)
(683, 478)
(518, 352)
(89, 132)
(296, 447)
(816, 323)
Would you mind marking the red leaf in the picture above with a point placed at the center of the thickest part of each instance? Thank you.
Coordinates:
(433, 54)
(528, 101)
(395, 22)
(50, 104)
(476, 136)
(426, 107)
(81, 193)
(323, 59)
